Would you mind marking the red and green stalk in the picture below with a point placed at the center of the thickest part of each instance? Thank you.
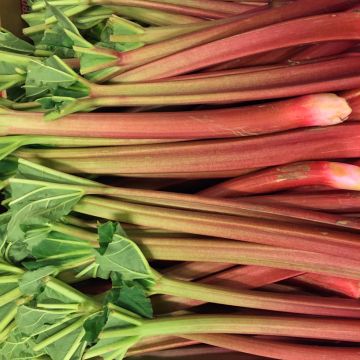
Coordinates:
(312, 110)
(153, 52)
(190, 159)
(303, 31)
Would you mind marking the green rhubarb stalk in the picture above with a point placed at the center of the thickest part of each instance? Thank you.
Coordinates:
(163, 6)
(154, 17)
(9, 144)
(284, 326)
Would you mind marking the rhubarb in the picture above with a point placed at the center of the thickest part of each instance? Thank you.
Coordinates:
(332, 174)
(227, 156)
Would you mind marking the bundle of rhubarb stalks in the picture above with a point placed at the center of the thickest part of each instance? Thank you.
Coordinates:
(180, 180)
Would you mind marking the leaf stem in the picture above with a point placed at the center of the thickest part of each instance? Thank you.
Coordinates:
(331, 329)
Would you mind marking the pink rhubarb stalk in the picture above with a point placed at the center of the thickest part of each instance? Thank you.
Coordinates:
(347, 287)
(227, 156)
(329, 201)
(234, 252)
(276, 349)
(264, 18)
(303, 31)
(323, 50)
(311, 110)
(333, 174)
(301, 237)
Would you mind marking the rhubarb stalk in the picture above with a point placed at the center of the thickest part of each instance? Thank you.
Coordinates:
(190, 159)
(332, 174)
(312, 110)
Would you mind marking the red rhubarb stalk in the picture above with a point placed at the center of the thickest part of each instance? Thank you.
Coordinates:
(333, 174)
(234, 252)
(276, 349)
(323, 50)
(264, 18)
(332, 85)
(329, 201)
(311, 110)
(218, 5)
(301, 237)
(303, 31)
(237, 80)
(347, 287)
(333, 142)
(245, 207)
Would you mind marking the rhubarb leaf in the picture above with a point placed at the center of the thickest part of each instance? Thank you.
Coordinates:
(119, 254)
(131, 296)
(33, 321)
(33, 281)
(8, 168)
(58, 249)
(10, 42)
(36, 204)
(19, 347)
(94, 59)
(69, 346)
(51, 75)
(94, 325)
(42, 324)
(57, 39)
(115, 348)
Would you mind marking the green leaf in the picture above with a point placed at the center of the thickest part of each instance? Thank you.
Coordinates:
(121, 255)
(63, 21)
(94, 325)
(133, 297)
(94, 59)
(61, 37)
(68, 346)
(57, 249)
(19, 347)
(119, 346)
(63, 108)
(47, 76)
(10, 42)
(34, 204)
(32, 281)
(33, 321)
